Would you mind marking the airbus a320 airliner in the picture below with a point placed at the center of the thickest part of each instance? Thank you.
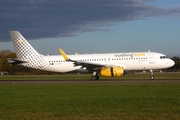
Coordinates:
(107, 64)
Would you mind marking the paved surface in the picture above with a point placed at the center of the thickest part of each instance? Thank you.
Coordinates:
(90, 82)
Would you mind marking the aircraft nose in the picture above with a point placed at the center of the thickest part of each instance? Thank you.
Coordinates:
(171, 63)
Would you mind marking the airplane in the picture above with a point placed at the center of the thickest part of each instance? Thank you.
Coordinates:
(106, 64)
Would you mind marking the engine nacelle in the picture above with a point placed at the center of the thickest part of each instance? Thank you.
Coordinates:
(112, 71)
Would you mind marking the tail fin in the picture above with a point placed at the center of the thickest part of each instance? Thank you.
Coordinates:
(23, 49)
(26, 53)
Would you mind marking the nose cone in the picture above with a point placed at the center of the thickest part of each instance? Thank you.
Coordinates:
(171, 63)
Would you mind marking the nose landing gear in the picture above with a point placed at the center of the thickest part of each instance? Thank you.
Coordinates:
(152, 75)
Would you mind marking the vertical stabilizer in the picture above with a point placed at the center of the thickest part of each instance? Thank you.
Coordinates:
(25, 52)
(23, 49)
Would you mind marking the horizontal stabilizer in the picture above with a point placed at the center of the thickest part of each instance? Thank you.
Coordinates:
(15, 61)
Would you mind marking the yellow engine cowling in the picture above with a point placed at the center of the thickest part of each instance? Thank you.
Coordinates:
(112, 71)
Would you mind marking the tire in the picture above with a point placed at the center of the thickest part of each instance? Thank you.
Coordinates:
(97, 77)
(94, 77)
(152, 77)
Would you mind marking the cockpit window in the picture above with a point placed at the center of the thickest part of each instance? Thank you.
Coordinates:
(163, 57)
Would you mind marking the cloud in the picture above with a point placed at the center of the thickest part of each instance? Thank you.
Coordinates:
(60, 18)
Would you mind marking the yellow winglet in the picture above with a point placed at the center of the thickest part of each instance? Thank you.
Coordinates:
(63, 54)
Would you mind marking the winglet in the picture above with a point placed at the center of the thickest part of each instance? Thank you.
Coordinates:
(64, 54)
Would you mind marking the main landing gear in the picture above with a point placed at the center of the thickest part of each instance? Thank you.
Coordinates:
(95, 76)
(152, 75)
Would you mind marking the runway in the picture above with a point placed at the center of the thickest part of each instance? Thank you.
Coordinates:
(177, 81)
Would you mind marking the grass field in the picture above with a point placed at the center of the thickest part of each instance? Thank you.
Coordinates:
(89, 102)
(87, 77)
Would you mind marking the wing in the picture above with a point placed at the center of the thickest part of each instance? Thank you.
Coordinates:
(88, 65)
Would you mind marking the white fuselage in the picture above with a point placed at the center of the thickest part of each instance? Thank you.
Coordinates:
(129, 61)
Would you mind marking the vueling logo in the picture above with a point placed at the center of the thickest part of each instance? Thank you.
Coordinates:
(130, 55)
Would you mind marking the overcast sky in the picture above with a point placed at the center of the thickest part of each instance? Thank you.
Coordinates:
(93, 26)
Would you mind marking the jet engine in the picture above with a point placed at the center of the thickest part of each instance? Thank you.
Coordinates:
(112, 71)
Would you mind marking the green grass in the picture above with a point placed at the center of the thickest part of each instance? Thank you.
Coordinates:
(89, 102)
(87, 77)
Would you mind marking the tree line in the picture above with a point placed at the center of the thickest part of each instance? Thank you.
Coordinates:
(20, 70)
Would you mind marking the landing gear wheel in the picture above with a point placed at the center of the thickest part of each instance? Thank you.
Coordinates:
(152, 77)
(97, 77)
(94, 77)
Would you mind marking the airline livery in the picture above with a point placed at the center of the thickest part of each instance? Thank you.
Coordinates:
(107, 64)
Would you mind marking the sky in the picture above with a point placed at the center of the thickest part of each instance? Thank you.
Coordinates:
(93, 26)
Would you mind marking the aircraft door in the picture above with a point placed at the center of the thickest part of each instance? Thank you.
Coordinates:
(151, 58)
